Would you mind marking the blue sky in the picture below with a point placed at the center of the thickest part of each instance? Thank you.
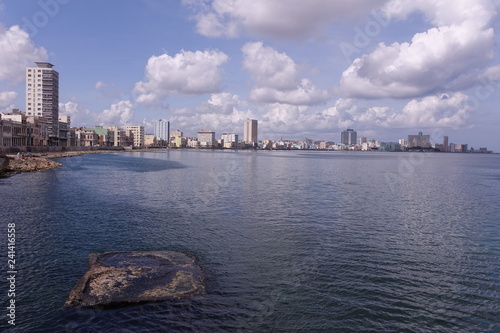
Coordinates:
(386, 68)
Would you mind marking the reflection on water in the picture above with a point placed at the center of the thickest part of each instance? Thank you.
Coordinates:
(290, 241)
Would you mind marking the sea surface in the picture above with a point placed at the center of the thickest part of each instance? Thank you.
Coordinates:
(290, 241)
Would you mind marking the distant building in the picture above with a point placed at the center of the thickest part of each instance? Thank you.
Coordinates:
(445, 143)
(42, 96)
(349, 137)
(206, 139)
(86, 137)
(419, 140)
(229, 140)
(64, 131)
(137, 135)
(250, 132)
(118, 136)
(176, 133)
(105, 136)
(162, 129)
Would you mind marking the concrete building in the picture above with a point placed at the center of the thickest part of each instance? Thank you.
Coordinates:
(64, 131)
(176, 133)
(119, 136)
(136, 133)
(162, 129)
(86, 137)
(151, 140)
(349, 137)
(15, 123)
(206, 139)
(250, 132)
(445, 143)
(42, 96)
(105, 136)
(37, 131)
(229, 140)
(419, 140)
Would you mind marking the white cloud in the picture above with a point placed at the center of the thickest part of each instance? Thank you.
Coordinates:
(443, 110)
(224, 103)
(224, 112)
(17, 52)
(291, 19)
(277, 78)
(7, 99)
(80, 116)
(437, 111)
(188, 73)
(118, 114)
(100, 85)
(461, 43)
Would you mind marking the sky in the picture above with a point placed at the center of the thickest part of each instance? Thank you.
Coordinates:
(303, 69)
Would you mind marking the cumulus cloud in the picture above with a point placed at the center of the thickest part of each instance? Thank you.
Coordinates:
(462, 42)
(7, 99)
(443, 110)
(187, 73)
(80, 116)
(438, 111)
(118, 114)
(223, 112)
(277, 78)
(292, 19)
(17, 52)
(224, 103)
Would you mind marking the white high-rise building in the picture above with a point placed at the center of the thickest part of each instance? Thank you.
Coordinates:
(250, 131)
(42, 96)
(162, 129)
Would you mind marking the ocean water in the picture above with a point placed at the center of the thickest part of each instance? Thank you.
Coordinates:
(289, 241)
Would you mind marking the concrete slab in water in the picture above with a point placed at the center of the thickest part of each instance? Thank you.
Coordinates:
(128, 277)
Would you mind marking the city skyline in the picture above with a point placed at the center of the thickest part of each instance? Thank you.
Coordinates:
(323, 68)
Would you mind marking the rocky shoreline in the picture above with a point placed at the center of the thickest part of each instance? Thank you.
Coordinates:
(13, 164)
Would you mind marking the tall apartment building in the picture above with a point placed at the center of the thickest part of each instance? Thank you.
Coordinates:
(42, 96)
(445, 143)
(250, 131)
(349, 137)
(137, 133)
(162, 129)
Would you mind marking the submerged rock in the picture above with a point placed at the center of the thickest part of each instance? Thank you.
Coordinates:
(115, 278)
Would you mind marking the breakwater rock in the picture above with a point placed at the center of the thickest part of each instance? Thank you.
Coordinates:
(29, 164)
(115, 278)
